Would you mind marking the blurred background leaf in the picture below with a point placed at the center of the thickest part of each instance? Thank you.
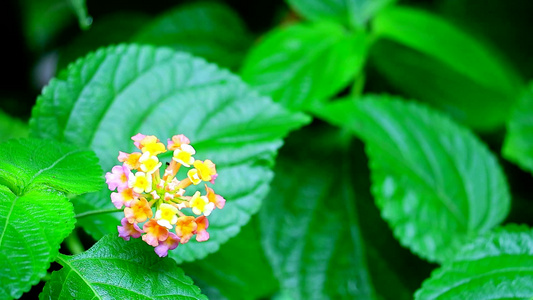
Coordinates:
(351, 13)
(518, 144)
(239, 270)
(207, 29)
(434, 61)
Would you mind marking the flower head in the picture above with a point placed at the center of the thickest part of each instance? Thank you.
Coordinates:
(124, 197)
(201, 205)
(201, 229)
(130, 160)
(183, 155)
(185, 228)
(166, 215)
(156, 200)
(155, 233)
(141, 182)
(128, 230)
(177, 141)
(118, 177)
(170, 243)
(206, 169)
(218, 200)
(139, 211)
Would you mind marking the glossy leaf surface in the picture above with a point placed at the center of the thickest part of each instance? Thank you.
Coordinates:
(117, 92)
(115, 269)
(207, 29)
(35, 214)
(305, 63)
(310, 228)
(497, 265)
(441, 64)
(435, 183)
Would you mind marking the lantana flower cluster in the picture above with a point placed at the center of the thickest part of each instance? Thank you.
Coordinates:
(157, 208)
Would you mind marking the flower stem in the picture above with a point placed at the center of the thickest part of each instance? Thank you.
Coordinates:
(96, 212)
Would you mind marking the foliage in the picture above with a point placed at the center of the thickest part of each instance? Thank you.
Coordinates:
(35, 214)
(362, 149)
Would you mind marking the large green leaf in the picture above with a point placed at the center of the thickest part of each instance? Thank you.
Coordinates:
(395, 272)
(115, 269)
(309, 224)
(354, 13)
(239, 270)
(305, 63)
(104, 99)
(445, 66)
(434, 181)
(518, 144)
(207, 29)
(498, 265)
(35, 214)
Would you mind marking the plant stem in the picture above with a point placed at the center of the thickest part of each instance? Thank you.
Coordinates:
(74, 244)
(96, 212)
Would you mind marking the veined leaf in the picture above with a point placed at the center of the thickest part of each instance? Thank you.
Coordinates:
(497, 265)
(35, 214)
(518, 144)
(207, 29)
(305, 63)
(435, 183)
(309, 225)
(104, 99)
(446, 67)
(353, 13)
(115, 269)
(30, 164)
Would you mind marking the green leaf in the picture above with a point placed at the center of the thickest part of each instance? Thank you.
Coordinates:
(107, 97)
(110, 29)
(115, 269)
(207, 29)
(35, 214)
(310, 227)
(354, 13)
(497, 265)
(434, 181)
(395, 272)
(11, 127)
(518, 144)
(239, 270)
(38, 164)
(446, 67)
(305, 63)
